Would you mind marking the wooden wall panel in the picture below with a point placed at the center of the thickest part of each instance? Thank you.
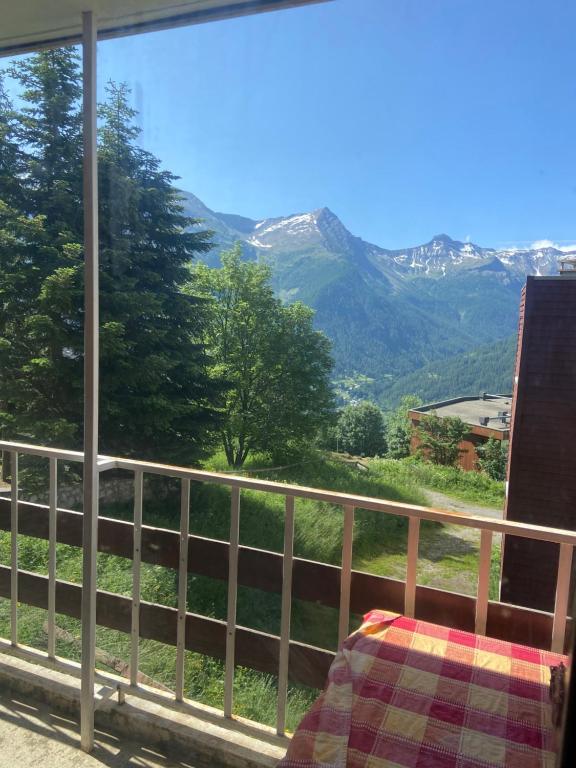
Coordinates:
(542, 467)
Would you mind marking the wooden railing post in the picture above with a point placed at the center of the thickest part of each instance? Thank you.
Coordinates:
(284, 660)
(182, 587)
(483, 591)
(14, 548)
(562, 596)
(232, 601)
(53, 504)
(412, 566)
(136, 568)
(346, 574)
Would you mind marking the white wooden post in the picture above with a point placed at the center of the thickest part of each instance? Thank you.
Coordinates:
(483, 591)
(233, 552)
(562, 597)
(136, 573)
(53, 503)
(182, 587)
(14, 548)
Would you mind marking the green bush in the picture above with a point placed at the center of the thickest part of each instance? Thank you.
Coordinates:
(493, 458)
(440, 438)
(361, 431)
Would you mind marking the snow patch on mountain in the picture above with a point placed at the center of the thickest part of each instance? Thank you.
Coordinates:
(258, 243)
(292, 225)
(439, 258)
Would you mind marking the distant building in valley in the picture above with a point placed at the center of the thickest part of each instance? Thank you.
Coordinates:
(487, 416)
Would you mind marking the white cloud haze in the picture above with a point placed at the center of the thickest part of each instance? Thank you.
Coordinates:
(538, 244)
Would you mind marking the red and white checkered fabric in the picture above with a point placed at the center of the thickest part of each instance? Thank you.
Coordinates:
(408, 694)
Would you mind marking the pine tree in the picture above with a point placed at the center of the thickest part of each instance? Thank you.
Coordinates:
(49, 126)
(156, 397)
(40, 377)
(28, 256)
(11, 156)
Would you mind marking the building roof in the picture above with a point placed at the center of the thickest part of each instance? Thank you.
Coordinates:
(473, 409)
(30, 24)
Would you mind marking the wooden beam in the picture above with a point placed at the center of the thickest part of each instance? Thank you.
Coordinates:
(311, 581)
(257, 650)
(400, 509)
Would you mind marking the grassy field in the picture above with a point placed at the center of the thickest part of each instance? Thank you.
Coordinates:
(474, 487)
(448, 559)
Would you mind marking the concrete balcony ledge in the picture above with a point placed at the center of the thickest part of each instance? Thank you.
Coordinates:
(198, 734)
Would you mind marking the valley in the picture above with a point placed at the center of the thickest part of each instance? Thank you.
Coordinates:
(436, 320)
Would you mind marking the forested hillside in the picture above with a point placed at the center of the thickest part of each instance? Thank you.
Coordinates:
(392, 316)
(488, 368)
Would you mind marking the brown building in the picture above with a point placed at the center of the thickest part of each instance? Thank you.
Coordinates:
(542, 468)
(488, 416)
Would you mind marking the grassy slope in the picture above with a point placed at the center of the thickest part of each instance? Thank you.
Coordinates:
(474, 487)
(446, 560)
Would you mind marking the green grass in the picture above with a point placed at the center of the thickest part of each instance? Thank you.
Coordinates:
(255, 693)
(448, 559)
(318, 527)
(475, 487)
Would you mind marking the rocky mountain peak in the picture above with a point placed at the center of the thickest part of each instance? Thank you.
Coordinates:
(443, 238)
(322, 231)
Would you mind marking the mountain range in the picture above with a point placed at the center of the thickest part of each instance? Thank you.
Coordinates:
(391, 313)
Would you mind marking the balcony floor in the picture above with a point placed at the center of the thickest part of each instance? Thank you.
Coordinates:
(32, 735)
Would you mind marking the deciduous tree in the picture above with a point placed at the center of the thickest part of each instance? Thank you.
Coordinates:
(361, 430)
(440, 438)
(493, 458)
(275, 365)
(399, 428)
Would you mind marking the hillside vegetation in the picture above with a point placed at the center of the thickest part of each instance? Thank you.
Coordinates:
(474, 487)
(488, 368)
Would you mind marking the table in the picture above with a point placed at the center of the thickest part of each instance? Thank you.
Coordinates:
(403, 693)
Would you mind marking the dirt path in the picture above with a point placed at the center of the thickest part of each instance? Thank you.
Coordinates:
(448, 553)
(442, 501)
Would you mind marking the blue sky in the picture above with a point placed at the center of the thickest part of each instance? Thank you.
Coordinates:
(405, 117)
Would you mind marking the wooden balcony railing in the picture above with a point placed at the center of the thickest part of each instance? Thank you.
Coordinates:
(340, 587)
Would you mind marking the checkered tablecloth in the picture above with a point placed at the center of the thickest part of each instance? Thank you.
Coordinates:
(407, 694)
